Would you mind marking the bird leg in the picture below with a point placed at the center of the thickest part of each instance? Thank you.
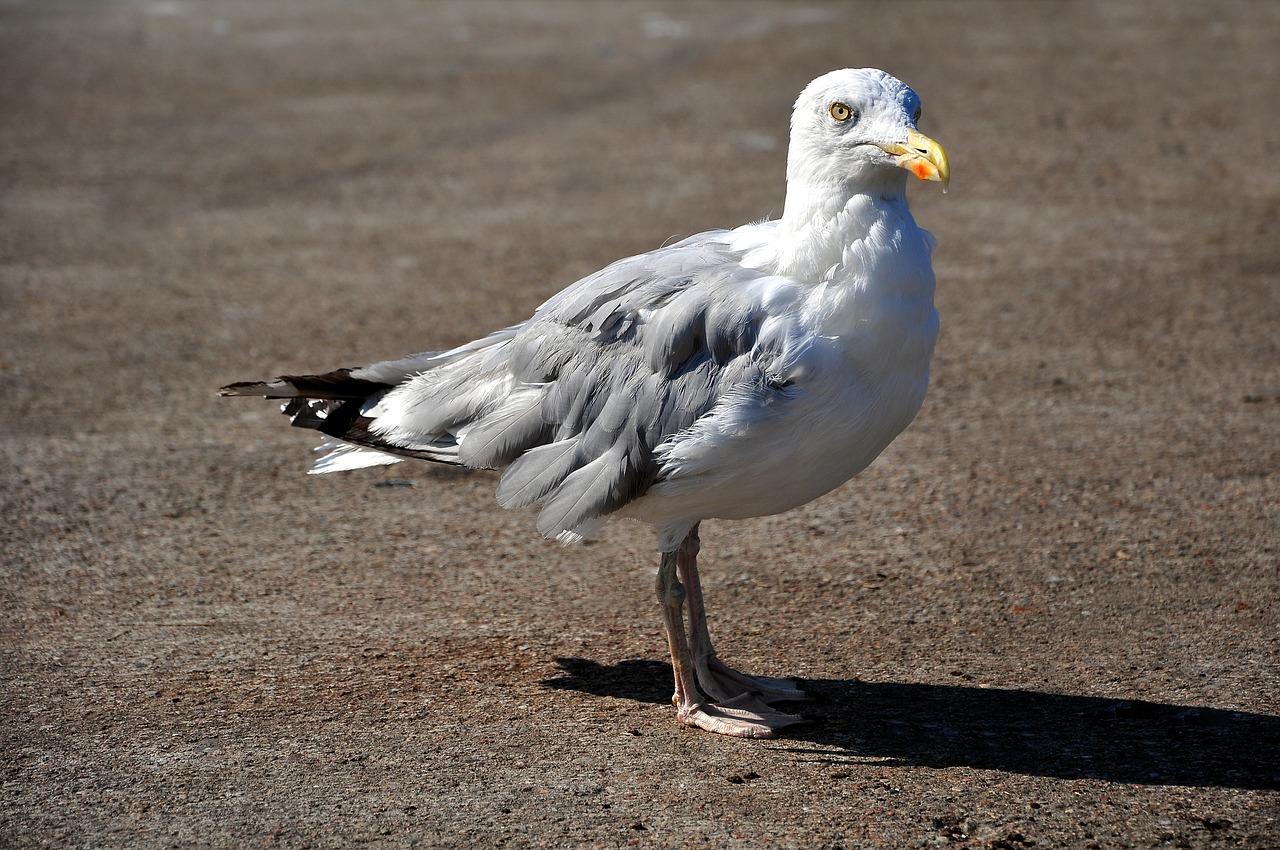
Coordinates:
(671, 595)
(745, 714)
(718, 680)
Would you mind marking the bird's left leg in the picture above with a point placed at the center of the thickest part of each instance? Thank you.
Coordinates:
(718, 680)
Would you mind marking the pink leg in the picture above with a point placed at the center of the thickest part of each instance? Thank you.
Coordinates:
(671, 595)
(718, 680)
(744, 715)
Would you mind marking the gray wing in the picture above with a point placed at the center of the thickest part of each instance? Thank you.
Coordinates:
(572, 403)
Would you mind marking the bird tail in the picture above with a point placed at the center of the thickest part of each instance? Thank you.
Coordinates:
(327, 403)
(335, 403)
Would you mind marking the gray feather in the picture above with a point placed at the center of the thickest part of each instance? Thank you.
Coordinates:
(573, 401)
(677, 333)
(595, 490)
(537, 472)
(499, 438)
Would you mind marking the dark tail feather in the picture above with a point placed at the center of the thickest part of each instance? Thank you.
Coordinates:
(336, 385)
(334, 404)
(329, 403)
(328, 416)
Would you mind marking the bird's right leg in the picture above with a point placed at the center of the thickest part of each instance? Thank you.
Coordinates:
(671, 595)
(744, 721)
(718, 680)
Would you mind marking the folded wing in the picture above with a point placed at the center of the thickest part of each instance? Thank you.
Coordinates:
(573, 403)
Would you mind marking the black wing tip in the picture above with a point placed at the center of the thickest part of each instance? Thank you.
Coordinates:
(337, 385)
(246, 388)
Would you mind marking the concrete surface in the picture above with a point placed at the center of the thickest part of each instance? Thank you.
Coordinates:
(1047, 617)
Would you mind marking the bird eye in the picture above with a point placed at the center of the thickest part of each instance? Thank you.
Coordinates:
(842, 111)
(916, 118)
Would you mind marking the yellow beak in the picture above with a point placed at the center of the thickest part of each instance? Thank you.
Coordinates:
(923, 157)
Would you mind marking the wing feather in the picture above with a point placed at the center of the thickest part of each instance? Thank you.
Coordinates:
(499, 438)
(537, 472)
(573, 403)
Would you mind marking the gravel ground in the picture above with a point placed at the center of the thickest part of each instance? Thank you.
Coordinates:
(1047, 617)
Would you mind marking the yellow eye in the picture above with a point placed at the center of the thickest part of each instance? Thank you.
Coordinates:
(841, 111)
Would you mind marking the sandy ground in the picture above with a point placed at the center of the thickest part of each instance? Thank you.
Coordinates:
(1047, 617)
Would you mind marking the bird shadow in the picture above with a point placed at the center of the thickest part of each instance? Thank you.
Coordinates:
(1017, 731)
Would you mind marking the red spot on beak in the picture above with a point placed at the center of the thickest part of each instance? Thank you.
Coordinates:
(921, 170)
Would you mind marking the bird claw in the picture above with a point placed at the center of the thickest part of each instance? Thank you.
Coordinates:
(744, 717)
(725, 685)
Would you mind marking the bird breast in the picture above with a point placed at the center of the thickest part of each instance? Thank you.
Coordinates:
(856, 378)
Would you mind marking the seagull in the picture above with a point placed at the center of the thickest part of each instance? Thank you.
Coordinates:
(733, 374)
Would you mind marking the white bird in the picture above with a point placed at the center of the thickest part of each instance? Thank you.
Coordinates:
(737, 373)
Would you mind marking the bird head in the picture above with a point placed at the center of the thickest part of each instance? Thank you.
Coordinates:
(856, 128)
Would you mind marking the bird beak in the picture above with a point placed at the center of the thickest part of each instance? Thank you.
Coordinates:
(922, 156)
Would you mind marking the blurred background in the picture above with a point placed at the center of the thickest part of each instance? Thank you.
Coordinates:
(1047, 615)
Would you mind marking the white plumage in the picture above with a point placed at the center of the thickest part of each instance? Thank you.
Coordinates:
(736, 373)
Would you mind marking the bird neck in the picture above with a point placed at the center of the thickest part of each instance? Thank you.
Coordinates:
(821, 222)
